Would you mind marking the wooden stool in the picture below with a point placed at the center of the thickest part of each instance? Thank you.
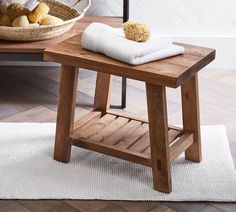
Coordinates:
(152, 143)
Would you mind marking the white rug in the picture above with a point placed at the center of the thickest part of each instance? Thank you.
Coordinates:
(27, 170)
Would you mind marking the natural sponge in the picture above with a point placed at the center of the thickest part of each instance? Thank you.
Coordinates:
(21, 21)
(39, 13)
(16, 10)
(50, 20)
(5, 21)
(136, 31)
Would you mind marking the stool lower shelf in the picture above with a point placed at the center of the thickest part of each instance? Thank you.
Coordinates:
(121, 136)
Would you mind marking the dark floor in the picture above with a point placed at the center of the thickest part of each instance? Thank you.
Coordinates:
(30, 94)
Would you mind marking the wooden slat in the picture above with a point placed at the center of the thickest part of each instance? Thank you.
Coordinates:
(128, 141)
(113, 151)
(128, 115)
(183, 143)
(175, 127)
(77, 130)
(140, 119)
(142, 144)
(122, 132)
(109, 129)
(173, 135)
(82, 122)
(118, 133)
(96, 126)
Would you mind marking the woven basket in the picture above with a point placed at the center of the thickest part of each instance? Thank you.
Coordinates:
(69, 14)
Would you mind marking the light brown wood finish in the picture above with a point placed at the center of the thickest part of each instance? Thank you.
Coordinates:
(97, 126)
(86, 120)
(94, 137)
(184, 142)
(191, 117)
(122, 137)
(131, 138)
(173, 135)
(125, 154)
(109, 130)
(103, 92)
(141, 144)
(125, 130)
(65, 114)
(130, 115)
(159, 142)
(151, 148)
(171, 72)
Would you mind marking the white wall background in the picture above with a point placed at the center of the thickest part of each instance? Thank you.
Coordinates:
(177, 17)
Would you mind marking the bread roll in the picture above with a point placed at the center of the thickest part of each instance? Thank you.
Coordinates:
(21, 21)
(5, 3)
(16, 10)
(50, 20)
(38, 13)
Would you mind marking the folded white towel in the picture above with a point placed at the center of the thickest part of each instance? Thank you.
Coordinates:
(31, 4)
(110, 41)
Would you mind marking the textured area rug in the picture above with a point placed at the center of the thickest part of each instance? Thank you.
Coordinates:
(27, 170)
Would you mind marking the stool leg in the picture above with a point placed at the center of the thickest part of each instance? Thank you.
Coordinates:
(159, 143)
(65, 113)
(102, 92)
(191, 117)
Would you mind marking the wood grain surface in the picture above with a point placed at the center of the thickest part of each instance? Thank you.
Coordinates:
(171, 72)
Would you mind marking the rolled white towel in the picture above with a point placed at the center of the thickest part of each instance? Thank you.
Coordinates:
(31, 4)
(110, 41)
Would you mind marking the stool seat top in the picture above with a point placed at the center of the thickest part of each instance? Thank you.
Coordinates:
(170, 72)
